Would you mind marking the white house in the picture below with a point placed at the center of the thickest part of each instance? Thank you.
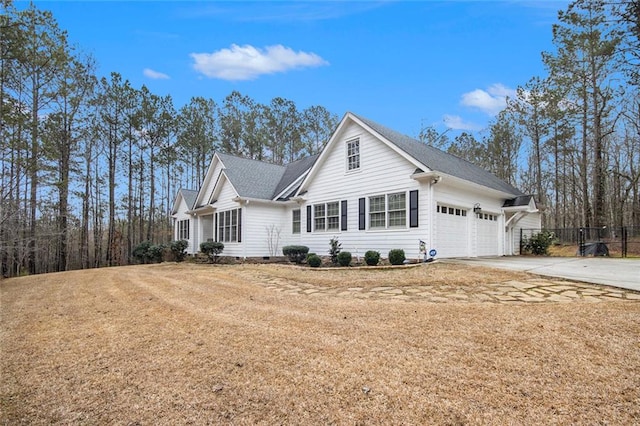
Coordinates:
(371, 188)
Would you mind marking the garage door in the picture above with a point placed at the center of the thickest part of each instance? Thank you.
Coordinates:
(451, 231)
(487, 234)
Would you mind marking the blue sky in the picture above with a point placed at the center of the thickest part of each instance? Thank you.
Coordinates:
(403, 64)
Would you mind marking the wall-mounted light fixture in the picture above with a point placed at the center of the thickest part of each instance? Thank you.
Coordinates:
(477, 208)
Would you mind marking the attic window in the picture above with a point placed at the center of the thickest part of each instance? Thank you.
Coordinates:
(353, 154)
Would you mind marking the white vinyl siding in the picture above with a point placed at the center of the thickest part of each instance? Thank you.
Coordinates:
(384, 172)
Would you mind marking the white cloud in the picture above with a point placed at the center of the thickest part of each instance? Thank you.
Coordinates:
(148, 72)
(456, 122)
(491, 101)
(248, 62)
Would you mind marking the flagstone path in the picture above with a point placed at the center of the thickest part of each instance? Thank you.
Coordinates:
(535, 290)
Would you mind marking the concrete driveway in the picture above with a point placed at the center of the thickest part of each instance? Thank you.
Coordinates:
(623, 273)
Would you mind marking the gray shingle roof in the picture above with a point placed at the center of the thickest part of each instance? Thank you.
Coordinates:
(261, 180)
(294, 171)
(189, 196)
(441, 161)
(522, 200)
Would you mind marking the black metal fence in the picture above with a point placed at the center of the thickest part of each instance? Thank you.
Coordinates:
(618, 241)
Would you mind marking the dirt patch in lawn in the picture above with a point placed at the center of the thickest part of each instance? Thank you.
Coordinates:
(199, 344)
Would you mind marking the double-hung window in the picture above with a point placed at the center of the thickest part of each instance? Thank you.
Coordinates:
(319, 217)
(333, 216)
(295, 221)
(377, 212)
(388, 211)
(397, 207)
(230, 226)
(353, 154)
(183, 229)
(326, 216)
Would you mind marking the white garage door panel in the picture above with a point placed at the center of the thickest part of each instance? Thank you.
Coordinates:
(452, 233)
(487, 237)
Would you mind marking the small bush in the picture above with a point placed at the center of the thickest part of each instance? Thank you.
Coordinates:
(141, 252)
(396, 257)
(372, 257)
(178, 249)
(146, 252)
(334, 249)
(156, 253)
(212, 249)
(344, 258)
(539, 243)
(295, 254)
(314, 260)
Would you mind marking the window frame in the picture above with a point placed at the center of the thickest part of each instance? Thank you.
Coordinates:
(229, 226)
(382, 213)
(352, 156)
(182, 229)
(326, 221)
(296, 229)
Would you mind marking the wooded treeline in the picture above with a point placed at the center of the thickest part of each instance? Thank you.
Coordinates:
(90, 165)
(572, 137)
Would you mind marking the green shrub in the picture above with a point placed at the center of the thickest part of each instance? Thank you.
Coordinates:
(178, 249)
(539, 243)
(212, 249)
(334, 249)
(295, 254)
(141, 252)
(314, 260)
(146, 252)
(372, 257)
(156, 253)
(344, 258)
(396, 257)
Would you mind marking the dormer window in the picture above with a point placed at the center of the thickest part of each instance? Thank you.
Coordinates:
(353, 154)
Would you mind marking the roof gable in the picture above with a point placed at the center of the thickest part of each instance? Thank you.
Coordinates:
(437, 160)
(189, 197)
(262, 180)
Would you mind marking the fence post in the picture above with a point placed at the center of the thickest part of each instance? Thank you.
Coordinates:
(624, 241)
(581, 241)
(520, 248)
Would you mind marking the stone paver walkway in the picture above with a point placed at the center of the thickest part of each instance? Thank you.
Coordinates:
(535, 290)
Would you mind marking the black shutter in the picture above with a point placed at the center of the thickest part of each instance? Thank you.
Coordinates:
(215, 229)
(343, 217)
(240, 225)
(362, 214)
(413, 209)
(308, 218)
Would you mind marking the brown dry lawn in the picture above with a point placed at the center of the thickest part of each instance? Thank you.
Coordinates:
(200, 344)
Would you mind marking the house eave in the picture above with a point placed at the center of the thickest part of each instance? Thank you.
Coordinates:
(250, 200)
(435, 176)
(208, 208)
